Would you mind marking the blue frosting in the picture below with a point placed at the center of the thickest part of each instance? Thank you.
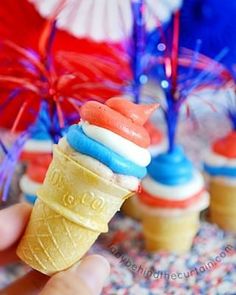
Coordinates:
(30, 198)
(220, 171)
(171, 168)
(86, 145)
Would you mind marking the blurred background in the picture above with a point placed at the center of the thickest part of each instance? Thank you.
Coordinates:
(57, 54)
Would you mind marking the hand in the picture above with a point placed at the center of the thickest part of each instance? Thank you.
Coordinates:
(85, 278)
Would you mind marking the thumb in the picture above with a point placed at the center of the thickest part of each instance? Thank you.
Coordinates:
(87, 278)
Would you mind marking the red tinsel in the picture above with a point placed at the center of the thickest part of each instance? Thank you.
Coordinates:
(76, 70)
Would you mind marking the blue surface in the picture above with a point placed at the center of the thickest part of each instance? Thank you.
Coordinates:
(85, 145)
(220, 171)
(212, 21)
(171, 168)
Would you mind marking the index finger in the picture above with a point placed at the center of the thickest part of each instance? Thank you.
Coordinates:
(13, 221)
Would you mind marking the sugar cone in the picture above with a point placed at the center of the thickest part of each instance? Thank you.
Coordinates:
(223, 205)
(130, 208)
(169, 233)
(74, 206)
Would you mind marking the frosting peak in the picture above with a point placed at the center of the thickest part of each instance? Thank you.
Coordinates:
(139, 114)
(171, 168)
(220, 161)
(121, 117)
(226, 146)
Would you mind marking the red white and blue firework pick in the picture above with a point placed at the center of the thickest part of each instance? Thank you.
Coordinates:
(182, 73)
(137, 53)
(228, 106)
(63, 80)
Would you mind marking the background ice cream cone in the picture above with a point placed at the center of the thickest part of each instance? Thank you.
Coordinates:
(130, 208)
(171, 199)
(223, 205)
(169, 233)
(74, 207)
(157, 145)
(220, 170)
(34, 176)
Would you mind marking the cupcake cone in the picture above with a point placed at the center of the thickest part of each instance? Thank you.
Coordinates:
(130, 208)
(74, 206)
(223, 205)
(169, 233)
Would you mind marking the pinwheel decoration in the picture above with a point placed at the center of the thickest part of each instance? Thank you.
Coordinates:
(106, 20)
(127, 21)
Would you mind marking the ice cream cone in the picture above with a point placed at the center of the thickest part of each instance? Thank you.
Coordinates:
(130, 208)
(74, 206)
(223, 205)
(169, 233)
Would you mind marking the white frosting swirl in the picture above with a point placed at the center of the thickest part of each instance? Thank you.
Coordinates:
(215, 160)
(38, 146)
(201, 204)
(29, 186)
(118, 144)
(177, 192)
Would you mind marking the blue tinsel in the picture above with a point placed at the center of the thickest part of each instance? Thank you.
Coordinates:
(212, 21)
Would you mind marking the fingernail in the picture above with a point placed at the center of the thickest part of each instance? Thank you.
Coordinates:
(93, 270)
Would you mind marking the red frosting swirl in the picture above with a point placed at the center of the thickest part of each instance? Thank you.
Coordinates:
(30, 156)
(226, 146)
(120, 116)
(155, 134)
(159, 202)
(36, 169)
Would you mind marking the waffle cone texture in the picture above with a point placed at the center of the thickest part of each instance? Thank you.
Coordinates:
(223, 205)
(169, 233)
(74, 206)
